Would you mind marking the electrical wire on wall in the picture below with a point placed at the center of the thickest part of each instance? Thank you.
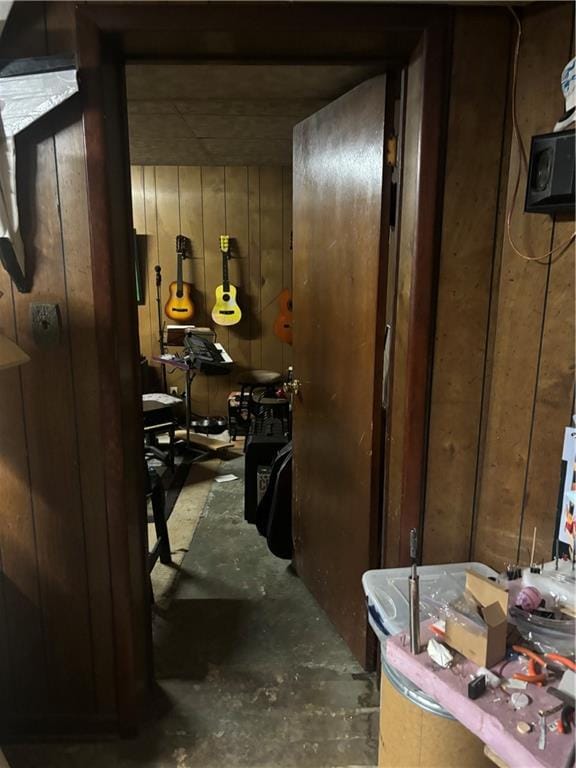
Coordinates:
(523, 161)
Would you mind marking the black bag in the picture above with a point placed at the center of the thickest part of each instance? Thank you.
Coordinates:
(274, 513)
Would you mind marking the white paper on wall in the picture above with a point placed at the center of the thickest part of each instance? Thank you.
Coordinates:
(566, 532)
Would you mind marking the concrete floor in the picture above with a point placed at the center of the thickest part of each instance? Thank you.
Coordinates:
(253, 672)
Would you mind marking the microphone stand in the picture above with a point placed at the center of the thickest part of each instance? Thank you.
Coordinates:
(158, 270)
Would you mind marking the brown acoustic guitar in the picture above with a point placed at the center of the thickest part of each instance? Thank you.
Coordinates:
(180, 306)
(283, 323)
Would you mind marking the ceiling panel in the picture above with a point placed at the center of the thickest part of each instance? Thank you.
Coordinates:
(243, 81)
(294, 107)
(227, 114)
(211, 152)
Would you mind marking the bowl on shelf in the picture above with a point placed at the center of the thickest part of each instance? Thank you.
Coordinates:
(548, 635)
(213, 425)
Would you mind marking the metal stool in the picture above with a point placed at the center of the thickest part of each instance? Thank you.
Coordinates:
(263, 407)
(243, 408)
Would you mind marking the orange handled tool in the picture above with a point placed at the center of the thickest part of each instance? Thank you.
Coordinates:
(537, 665)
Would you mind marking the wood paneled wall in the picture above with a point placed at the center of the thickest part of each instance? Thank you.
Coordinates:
(64, 602)
(503, 379)
(398, 304)
(254, 206)
(57, 659)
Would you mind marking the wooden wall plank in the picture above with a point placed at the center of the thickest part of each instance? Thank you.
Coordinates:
(152, 259)
(214, 222)
(522, 300)
(190, 204)
(23, 664)
(190, 192)
(168, 227)
(139, 214)
(406, 244)
(470, 211)
(271, 247)
(75, 233)
(5, 672)
(52, 435)
(236, 185)
(255, 271)
(552, 406)
(168, 220)
(554, 398)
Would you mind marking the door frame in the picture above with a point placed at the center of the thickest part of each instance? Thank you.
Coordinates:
(103, 44)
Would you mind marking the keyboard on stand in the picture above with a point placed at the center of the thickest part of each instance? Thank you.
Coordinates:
(209, 357)
(199, 355)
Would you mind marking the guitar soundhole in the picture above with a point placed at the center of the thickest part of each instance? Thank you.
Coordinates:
(226, 296)
(179, 294)
(290, 306)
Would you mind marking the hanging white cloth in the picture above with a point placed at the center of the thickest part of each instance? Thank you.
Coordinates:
(23, 100)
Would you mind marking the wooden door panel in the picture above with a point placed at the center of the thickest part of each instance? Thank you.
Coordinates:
(339, 191)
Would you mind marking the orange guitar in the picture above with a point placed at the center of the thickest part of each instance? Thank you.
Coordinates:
(283, 324)
(179, 306)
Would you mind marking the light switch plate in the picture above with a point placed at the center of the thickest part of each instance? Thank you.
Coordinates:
(46, 324)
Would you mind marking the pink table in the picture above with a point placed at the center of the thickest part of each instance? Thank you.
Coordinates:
(491, 717)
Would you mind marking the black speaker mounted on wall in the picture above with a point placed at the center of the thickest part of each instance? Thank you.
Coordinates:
(551, 172)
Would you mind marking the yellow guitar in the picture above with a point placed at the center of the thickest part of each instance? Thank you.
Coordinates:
(226, 310)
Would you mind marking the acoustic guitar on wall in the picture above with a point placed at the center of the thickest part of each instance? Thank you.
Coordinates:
(180, 306)
(283, 323)
(226, 310)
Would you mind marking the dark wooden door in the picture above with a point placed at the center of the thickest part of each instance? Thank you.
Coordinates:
(341, 187)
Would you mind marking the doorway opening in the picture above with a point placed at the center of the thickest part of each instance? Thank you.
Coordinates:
(106, 40)
(211, 153)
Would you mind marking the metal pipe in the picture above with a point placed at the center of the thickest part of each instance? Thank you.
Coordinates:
(414, 595)
(158, 270)
(414, 607)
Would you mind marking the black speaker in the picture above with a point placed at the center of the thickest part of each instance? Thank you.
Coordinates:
(266, 438)
(550, 187)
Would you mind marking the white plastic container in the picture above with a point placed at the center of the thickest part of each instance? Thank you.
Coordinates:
(387, 593)
(387, 602)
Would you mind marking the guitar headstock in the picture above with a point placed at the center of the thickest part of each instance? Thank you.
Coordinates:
(225, 244)
(182, 246)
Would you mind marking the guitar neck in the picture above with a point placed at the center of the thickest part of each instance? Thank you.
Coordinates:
(179, 279)
(182, 245)
(225, 275)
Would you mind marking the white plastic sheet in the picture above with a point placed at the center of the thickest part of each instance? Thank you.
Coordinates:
(23, 100)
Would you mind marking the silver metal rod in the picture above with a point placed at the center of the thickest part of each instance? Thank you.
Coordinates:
(413, 545)
(414, 607)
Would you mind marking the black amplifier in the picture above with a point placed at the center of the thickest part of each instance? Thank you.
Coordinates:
(266, 438)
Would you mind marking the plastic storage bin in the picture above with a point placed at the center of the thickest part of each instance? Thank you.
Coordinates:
(415, 730)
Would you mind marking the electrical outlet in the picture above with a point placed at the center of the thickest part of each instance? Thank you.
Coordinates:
(174, 391)
(46, 323)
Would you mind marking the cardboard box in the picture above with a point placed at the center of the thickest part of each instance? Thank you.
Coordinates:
(411, 736)
(484, 647)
